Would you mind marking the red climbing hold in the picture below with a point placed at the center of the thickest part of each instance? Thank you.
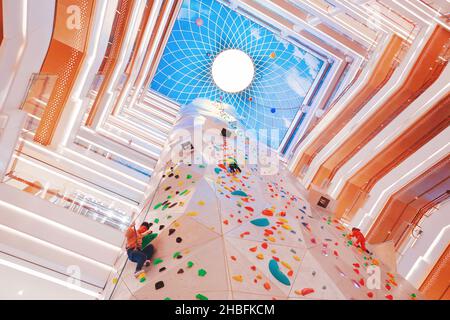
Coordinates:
(306, 291)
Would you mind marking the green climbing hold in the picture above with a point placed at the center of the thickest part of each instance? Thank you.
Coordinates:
(157, 261)
(148, 238)
(189, 176)
(176, 254)
(183, 192)
(167, 298)
(156, 220)
(199, 296)
(190, 264)
(157, 206)
(201, 272)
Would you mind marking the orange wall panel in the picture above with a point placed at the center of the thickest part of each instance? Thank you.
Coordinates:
(417, 135)
(64, 57)
(437, 285)
(407, 204)
(426, 70)
(379, 77)
(1, 21)
(121, 23)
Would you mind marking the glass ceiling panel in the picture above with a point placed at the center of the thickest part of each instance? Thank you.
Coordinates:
(284, 73)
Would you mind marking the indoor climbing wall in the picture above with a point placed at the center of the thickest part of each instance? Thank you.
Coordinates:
(246, 235)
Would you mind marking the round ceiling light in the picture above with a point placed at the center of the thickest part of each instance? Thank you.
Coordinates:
(233, 70)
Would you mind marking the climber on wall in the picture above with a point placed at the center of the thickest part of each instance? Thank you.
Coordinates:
(233, 167)
(360, 239)
(135, 252)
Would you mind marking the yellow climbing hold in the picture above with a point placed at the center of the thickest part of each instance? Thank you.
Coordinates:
(201, 203)
(296, 258)
(115, 280)
(271, 239)
(260, 256)
(238, 278)
(286, 226)
(192, 214)
(283, 220)
(286, 265)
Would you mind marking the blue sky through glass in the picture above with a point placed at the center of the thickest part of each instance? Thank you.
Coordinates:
(284, 73)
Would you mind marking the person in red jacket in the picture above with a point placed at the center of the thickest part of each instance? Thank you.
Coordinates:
(134, 248)
(360, 239)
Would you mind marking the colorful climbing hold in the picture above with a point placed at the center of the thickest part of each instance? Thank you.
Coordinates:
(267, 212)
(199, 296)
(238, 278)
(276, 272)
(262, 222)
(306, 291)
(159, 285)
(239, 193)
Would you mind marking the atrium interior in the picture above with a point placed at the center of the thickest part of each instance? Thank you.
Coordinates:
(247, 149)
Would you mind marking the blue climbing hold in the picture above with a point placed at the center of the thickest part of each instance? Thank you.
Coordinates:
(276, 272)
(262, 222)
(239, 193)
(273, 110)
